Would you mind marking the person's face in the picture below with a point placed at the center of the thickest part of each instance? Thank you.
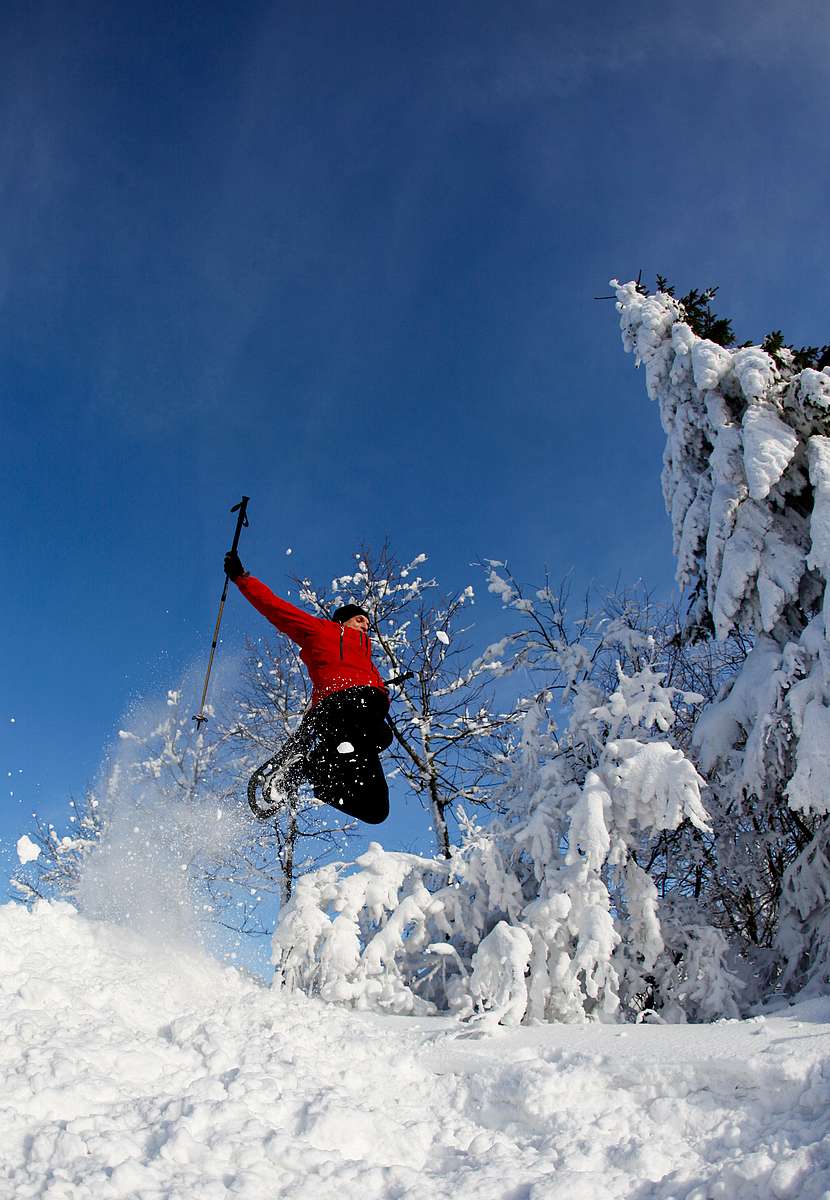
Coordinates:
(361, 623)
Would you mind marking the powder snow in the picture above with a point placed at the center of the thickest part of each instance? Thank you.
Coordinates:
(132, 1071)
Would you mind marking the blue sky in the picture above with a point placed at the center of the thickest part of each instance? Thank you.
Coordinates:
(342, 258)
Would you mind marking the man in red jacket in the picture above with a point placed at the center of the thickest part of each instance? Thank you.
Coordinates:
(336, 747)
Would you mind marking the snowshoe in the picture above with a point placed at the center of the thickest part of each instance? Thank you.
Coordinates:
(273, 782)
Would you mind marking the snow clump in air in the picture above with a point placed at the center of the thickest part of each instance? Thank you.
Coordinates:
(27, 851)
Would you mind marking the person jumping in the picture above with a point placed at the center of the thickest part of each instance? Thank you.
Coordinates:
(336, 748)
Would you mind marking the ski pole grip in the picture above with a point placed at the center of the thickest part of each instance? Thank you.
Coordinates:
(241, 520)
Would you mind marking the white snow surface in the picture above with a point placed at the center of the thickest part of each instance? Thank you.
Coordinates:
(131, 1071)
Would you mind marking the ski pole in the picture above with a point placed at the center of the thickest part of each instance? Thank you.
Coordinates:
(241, 523)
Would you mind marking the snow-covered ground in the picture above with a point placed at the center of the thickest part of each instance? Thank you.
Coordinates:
(134, 1071)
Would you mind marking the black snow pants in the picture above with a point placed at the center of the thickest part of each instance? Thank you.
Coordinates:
(336, 749)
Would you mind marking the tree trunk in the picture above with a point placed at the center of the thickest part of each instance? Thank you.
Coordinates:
(439, 821)
(287, 858)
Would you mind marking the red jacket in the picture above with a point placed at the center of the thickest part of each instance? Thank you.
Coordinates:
(336, 657)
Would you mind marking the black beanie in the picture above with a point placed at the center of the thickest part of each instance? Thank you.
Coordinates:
(347, 611)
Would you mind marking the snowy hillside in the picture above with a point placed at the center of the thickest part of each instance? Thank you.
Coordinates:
(134, 1072)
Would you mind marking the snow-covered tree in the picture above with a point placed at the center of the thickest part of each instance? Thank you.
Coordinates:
(595, 807)
(406, 934)
(50, 861)
(446, 727)
(546, 912)
(746, 479)
(359, 937)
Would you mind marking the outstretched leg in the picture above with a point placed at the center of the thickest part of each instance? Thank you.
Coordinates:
(279, 776)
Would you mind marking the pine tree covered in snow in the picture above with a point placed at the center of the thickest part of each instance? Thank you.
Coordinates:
(746, 479)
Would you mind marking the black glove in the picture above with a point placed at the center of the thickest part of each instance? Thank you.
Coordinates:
(233, 567)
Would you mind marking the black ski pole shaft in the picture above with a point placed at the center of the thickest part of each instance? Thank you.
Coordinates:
(241, 521)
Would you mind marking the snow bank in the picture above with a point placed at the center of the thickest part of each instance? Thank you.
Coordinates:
(134, 1072)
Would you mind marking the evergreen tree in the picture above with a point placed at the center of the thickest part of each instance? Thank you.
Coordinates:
(747, 484)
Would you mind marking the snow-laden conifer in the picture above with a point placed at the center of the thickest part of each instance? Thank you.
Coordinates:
(746, 479)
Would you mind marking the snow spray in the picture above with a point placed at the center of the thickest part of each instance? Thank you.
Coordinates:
(147, 869)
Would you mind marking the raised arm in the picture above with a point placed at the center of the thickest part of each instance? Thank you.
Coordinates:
(290, 620)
